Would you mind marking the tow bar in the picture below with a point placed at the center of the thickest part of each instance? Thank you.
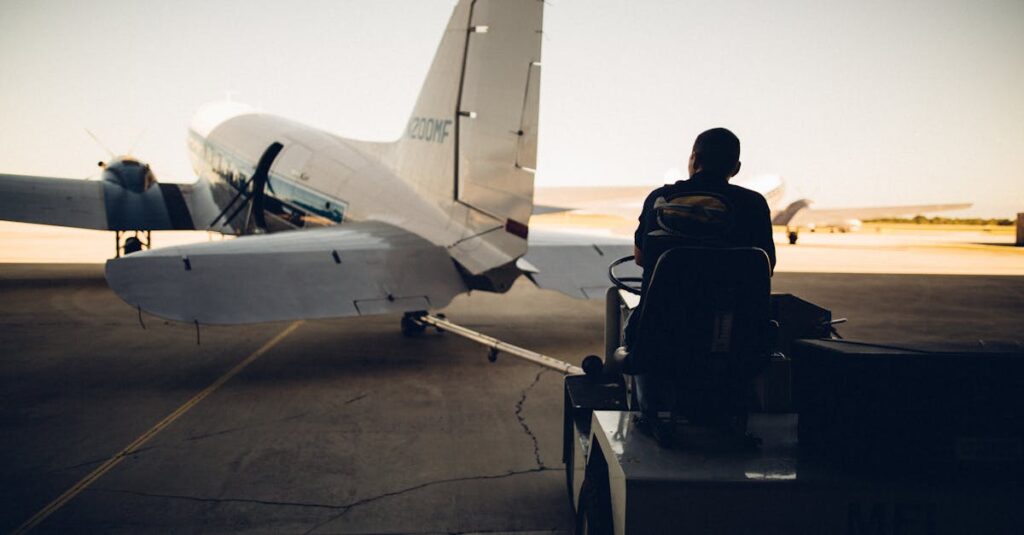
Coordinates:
(494, 345)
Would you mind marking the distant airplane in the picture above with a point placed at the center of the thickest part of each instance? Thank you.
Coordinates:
(626, 201)
(338, 227)
(801, 214)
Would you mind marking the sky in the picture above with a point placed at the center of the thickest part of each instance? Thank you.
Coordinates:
(853, 103)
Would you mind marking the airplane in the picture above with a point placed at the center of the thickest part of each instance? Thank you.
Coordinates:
(333, 227)
(626, 202)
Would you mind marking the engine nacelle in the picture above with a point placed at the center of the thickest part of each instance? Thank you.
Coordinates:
(129, 174)
(134, 199)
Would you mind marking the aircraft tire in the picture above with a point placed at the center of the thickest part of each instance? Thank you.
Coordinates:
(410, 327)
(792, 238)
(132, 245)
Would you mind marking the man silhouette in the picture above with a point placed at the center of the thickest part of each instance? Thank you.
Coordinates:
(705, 210)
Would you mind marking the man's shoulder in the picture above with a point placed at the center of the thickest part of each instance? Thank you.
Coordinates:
(665, 190)
(677, 188)
(732, 191)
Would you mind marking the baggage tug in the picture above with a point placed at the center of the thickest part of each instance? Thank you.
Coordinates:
(847, 437)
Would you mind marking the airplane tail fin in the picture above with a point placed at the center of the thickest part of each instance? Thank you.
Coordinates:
(476, 116)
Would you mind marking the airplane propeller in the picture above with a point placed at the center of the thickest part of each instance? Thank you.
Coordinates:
(254, 193)
(112, 157)
(101, 164)
(101, 145)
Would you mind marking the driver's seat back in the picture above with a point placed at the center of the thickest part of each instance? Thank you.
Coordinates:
(703, 331)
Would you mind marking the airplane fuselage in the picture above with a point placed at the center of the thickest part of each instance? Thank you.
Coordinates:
(318, 179)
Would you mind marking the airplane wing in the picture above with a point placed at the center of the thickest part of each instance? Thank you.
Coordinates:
(576, 263)
(94, 204)
(541, 209)
(837, 216)
(618, 201)
(53, 201)
(353, 269)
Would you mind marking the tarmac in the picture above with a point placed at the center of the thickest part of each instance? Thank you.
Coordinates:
(342, 426)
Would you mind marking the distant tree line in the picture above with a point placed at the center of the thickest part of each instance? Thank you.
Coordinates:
(922, 220)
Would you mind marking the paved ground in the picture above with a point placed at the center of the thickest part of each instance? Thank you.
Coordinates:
(344, 426)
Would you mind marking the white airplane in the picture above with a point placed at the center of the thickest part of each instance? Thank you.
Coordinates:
(626, 201)
(338, 227)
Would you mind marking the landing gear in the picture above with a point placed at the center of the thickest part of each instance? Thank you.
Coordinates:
(792, 237)
(139, 241)
(132, 245)
(411, 325)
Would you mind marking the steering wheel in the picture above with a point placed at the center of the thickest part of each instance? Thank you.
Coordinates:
(629, 284)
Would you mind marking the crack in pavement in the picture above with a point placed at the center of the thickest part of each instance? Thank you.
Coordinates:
(244, 427)
(215, 433)
(217, 500)
(79, 465)
(342, 508)
(98, 461)
(348, 507)
(522, 419)
(552, 531)
(355, 399)
(506, 532)
(192, 438)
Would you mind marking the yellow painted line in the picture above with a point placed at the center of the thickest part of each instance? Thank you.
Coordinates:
(152, 432)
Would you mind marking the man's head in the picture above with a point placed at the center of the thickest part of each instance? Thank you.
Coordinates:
(716, 152)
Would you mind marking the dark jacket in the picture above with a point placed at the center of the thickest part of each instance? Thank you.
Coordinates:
(745, 223)
(705, 211)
